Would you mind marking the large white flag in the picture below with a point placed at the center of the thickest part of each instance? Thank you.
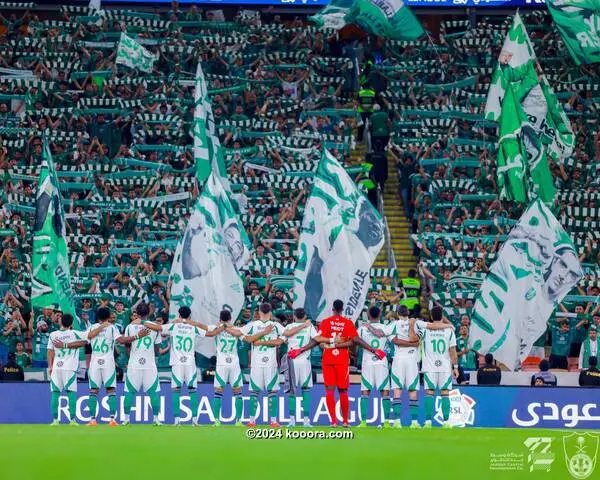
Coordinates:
(342, 233)
(134, 55)
(205, 272)
(536, 267)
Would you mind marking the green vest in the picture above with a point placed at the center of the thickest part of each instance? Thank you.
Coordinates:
(587, 351)
(367, 183)
(412, 287)
(366, 98)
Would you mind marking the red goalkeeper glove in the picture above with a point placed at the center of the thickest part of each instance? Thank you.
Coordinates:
(294, 353)
(379, 353)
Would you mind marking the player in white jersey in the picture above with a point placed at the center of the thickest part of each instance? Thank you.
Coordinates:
(439, 362)
(265, 335)
(142, 374)
(63, 363)
(102, 337)
(228, 369)
(375, 374)
(299, 335)
(182, 358)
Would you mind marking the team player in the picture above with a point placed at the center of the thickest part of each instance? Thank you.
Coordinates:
(300, 333)
(265, 335)
(63, 361)
(102, 337)
(228, 369)
(439, 362)
(182, 358)
(336, 335)
(375, 370)
(142, 374)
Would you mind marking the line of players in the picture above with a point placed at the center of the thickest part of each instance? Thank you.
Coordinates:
(434, 343)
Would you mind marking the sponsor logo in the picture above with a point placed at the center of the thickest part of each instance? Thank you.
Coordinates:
(540, 457)
(569, 415)
(462, 411)
(228, 360)
(265, 359)
(142, 361)
(581, 450)
(60, 363)
(100, 361)
(182, 359)
(438, 363)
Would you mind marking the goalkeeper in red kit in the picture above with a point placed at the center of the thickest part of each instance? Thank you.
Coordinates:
(336, 335)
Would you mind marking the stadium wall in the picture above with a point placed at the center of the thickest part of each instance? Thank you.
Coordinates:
(470, 406)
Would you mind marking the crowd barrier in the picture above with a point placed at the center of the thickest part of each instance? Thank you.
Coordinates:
(470, 406)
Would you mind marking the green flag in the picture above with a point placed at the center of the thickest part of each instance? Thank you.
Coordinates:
(533, 125)
(384, 18)
(578, 22)
(51, 277)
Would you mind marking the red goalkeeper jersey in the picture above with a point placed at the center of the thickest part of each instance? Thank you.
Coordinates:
(337, 326)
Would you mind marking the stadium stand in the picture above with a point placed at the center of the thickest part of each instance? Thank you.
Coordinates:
(280, 90)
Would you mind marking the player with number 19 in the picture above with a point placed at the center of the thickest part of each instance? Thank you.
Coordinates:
(183, 333)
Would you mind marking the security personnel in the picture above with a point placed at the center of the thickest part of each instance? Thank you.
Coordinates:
(366, 183)
(412, 290)
(591, 376)
(489, 374)
(366, 101)
(11, 371)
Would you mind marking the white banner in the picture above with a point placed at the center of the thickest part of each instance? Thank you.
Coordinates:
(536, 267)
(205, 272)
(133, 55)
(342, 233)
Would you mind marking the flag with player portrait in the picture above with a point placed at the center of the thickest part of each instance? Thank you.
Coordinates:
(50, 273)
(342, 234)
(205, 275)
(536, 267)
(533, 124)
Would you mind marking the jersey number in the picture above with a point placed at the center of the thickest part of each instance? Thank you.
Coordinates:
(227, 346)
(184, 344)
(147, 341)
(100, 347)
(438, 346)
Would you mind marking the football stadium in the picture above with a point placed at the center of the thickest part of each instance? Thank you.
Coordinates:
(300, 238)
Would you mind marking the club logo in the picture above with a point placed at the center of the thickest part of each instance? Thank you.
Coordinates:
(462, 412)
(581, 450)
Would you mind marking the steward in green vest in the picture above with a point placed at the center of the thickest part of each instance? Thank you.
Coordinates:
(412, 290)
(589, 348)
(366, 100)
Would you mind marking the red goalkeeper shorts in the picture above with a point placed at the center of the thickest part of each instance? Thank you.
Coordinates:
(337, 375)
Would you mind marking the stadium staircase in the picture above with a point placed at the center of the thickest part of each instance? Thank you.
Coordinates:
(397, 222)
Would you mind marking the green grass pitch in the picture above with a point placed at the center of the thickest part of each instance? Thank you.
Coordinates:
(172, 453)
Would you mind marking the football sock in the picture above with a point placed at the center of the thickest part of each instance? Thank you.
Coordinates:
(194, 402)
(54, 404)
(414, 408)
(128, 402)
(239, 406)
(387, 406)
(397, 407)
(306, 403)
(175, 402)
(446, 407)
(428, 406)
(344, 404)
(93, 405)
(217, 399)
(253, 404)
(72, 396)
(273, 406)
(292, 406)
(330, 400)
(112, 405)
(155, 404)
(364, 406)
